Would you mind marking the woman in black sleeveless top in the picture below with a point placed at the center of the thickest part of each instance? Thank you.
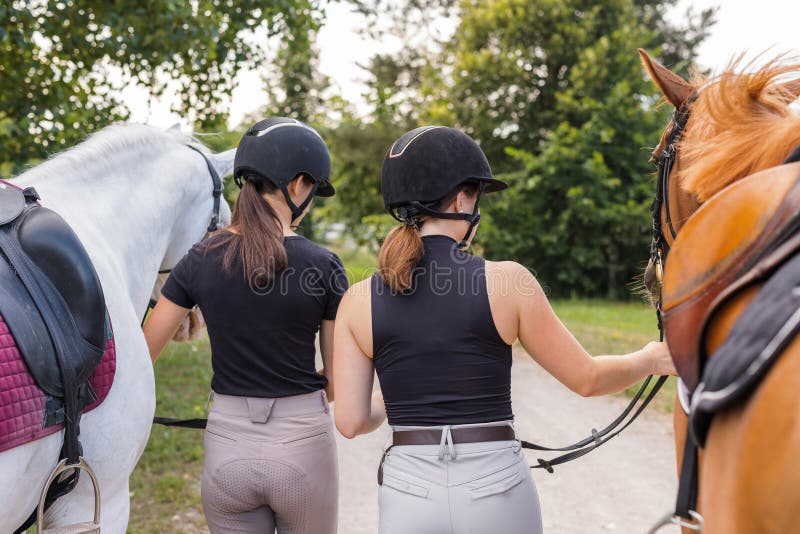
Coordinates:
(437, 324)
(265, 292)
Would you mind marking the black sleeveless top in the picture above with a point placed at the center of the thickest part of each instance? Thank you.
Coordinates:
(262, 338)
(438, 355)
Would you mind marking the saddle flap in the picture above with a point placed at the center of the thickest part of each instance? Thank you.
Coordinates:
(54, 248)
(12, 202)
(51, 298)
(27, 327)
(718, 244)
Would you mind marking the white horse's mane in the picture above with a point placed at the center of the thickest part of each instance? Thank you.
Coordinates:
(100, 148)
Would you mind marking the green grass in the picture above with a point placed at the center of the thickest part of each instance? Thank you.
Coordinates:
(165, 487)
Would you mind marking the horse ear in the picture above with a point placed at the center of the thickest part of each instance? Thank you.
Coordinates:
(675, 89)
(790, 90)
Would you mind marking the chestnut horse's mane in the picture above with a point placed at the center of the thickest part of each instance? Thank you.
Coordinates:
(741, 123)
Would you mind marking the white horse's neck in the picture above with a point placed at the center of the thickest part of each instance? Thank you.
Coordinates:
(139, 193)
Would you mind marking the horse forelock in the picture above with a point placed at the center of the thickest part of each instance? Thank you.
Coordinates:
(741, 123)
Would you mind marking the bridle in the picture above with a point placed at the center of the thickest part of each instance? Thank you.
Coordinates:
(659, 247)
(216, 192)
(684, 514)
(213, 225)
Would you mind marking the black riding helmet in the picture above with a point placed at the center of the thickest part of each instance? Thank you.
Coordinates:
(425, 165)
(278, 149)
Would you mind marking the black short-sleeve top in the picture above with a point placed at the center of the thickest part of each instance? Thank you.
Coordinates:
(262, 338)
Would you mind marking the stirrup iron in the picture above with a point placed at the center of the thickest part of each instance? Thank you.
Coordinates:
(92, 527)
(696, 523)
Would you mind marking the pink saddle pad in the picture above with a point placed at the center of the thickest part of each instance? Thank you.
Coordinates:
(22, 402)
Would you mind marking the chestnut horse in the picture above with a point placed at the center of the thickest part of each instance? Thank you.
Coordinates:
(736, 124)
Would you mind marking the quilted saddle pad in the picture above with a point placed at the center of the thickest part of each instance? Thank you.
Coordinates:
(22, 402)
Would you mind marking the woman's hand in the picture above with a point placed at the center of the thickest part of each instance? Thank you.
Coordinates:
(660, 358)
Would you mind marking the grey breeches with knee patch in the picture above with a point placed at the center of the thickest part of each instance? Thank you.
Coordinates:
(270, 464)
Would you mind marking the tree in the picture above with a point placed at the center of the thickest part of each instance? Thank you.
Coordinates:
(554, 93)
(62, 63)
(508, 61)
(578, 211)
(357, 145)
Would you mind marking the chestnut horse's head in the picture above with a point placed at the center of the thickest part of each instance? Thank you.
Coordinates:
(724, 128)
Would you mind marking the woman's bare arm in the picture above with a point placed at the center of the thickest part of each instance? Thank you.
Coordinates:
(326, 330)
(358, 410)
(162, 324)
(554, 347)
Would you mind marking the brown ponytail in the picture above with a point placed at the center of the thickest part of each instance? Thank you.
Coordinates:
(399, 254)
(259, 238)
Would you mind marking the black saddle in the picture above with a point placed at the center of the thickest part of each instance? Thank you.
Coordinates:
(51, 299)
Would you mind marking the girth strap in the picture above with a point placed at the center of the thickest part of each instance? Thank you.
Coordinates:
(687, 487)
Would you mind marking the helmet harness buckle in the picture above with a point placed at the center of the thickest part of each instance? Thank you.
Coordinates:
(410, 213)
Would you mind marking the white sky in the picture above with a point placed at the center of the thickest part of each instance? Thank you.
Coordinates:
(741, 25)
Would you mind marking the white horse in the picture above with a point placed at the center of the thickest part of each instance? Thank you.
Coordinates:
(138, 198)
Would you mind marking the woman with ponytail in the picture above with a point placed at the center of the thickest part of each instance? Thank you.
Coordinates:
(437, 325)
(265, 293)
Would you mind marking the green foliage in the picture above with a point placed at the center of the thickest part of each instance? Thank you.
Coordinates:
(62, 63)
(510, 60)
(552, 89)
(585, 193)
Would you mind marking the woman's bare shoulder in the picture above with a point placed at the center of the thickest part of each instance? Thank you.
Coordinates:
(511, 278)
(358, 294)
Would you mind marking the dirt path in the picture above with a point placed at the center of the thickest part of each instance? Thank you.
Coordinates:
(623, 487)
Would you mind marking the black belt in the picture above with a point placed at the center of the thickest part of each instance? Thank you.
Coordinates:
(433, 436)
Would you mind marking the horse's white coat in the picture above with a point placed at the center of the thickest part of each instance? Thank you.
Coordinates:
(138, 198)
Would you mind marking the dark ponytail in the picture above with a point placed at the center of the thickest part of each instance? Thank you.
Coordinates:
(259, 238)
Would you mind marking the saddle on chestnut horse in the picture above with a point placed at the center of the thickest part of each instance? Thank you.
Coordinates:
(52, 305)
(732, 289)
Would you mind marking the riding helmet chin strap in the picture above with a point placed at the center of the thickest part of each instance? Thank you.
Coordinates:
(416, 208)
(297, 211)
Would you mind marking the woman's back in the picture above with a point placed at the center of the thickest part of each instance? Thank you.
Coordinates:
(262, 336)
(438, 355)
